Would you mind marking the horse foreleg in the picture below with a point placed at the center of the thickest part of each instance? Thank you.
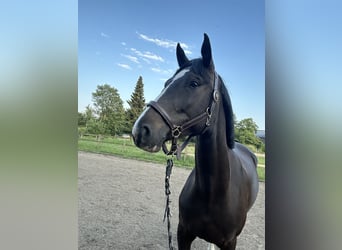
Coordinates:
(184, 238)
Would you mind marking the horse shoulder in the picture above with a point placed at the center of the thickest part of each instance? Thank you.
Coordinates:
(187, 190)
(246, 157)
(248, 166)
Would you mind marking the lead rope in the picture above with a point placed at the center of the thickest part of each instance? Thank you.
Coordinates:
(167, 213)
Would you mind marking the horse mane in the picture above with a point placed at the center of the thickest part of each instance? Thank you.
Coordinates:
(228, 111)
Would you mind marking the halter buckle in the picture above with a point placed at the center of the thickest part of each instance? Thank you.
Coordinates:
(176, 131)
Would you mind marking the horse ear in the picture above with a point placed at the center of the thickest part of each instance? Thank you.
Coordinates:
(206, 52)
(181, 57)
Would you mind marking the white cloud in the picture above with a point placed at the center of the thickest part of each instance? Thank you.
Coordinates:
(123, 43)
(156, 70)
(146, 60)
(162, 71)
(188, 52)
(147, 55)
(125, 66)
(161, 43)
(165, 43)
(104, 35)
(131, 58)
(150, 55)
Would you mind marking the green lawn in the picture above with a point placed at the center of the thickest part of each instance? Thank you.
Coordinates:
(125, 148)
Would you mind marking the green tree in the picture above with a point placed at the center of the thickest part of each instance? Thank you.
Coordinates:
(81, 119)
(89, 113)
(95, 126)
(109, 108)
(245, 132)
(136, 103)
(84, 117)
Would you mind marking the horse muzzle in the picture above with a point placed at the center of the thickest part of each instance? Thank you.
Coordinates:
(149, 136)
(142, 138)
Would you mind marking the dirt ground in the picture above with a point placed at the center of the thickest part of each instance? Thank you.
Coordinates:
(121, 206)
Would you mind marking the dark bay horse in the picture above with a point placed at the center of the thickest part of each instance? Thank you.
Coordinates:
(223, 186)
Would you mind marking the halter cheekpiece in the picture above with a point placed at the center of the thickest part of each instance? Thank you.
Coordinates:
(177, 130)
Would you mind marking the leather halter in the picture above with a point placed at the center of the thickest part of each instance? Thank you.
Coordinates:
(177, 130)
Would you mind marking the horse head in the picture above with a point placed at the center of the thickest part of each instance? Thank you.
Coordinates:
(184, 105)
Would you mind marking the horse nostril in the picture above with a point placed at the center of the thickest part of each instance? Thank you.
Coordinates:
(145, 130)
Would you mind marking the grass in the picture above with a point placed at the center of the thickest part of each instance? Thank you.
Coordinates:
(261, 173)
(261, 160)
(125, 148)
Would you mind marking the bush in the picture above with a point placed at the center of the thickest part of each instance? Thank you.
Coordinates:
(95, 127)
(81, 131)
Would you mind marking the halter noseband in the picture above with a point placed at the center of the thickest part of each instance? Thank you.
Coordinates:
(176, 130)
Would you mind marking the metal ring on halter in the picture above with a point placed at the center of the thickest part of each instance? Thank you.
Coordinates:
(216, 95)
(176, 131)
(209, 113)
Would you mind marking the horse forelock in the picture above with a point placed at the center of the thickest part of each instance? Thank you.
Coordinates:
(186, 65)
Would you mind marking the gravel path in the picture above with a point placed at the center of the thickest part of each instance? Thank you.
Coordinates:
(121, 206)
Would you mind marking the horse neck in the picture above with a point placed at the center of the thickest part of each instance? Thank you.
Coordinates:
(212, 164)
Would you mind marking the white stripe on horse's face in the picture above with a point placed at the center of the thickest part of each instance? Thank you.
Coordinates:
(179, 75)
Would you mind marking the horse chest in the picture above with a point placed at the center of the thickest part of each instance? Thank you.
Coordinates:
(213, 218)
(209, 221)
(213, 226)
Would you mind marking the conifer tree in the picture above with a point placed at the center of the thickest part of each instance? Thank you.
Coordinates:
(136, 103)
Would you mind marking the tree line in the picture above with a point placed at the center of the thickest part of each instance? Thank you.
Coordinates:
(108, 116)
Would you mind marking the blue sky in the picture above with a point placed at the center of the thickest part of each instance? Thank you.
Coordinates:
(122, 40)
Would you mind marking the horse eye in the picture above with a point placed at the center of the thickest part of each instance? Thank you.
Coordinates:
(194, 84)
